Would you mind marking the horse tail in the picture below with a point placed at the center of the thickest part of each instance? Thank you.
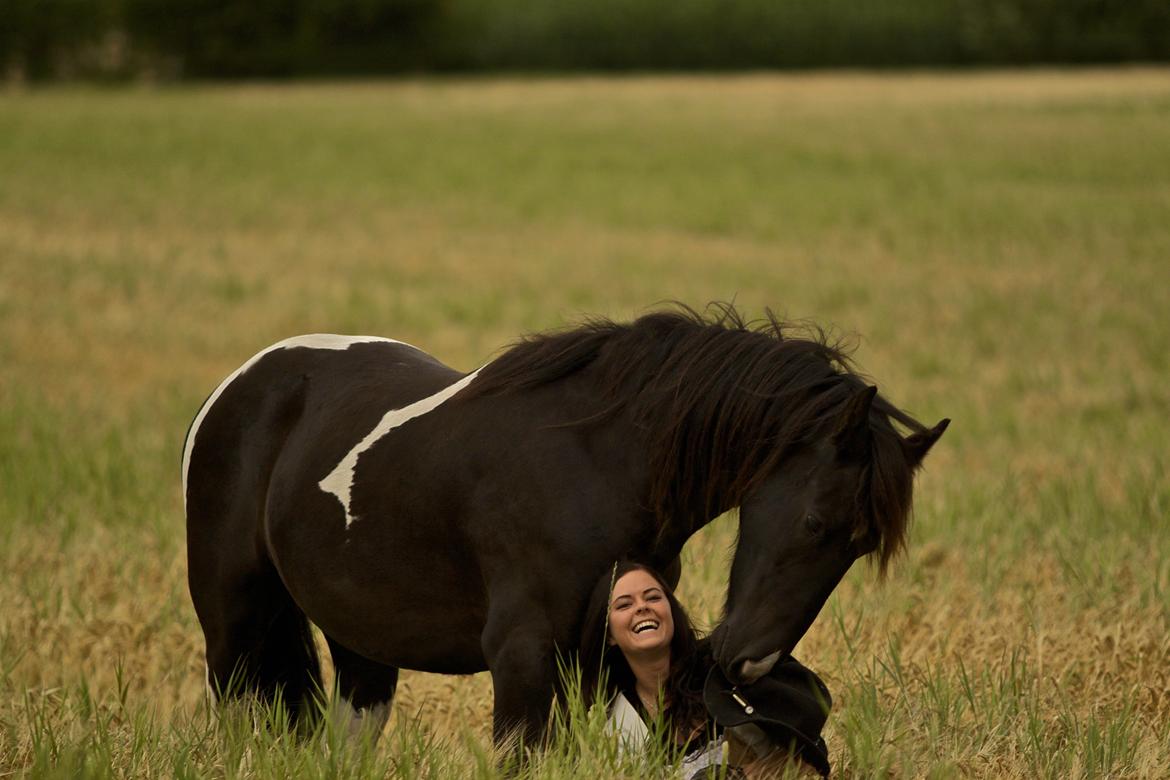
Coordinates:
(258, 640)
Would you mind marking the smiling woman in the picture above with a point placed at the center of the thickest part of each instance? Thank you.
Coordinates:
(640, 655)
(641, 658)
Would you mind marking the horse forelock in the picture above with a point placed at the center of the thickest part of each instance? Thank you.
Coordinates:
(720, 401)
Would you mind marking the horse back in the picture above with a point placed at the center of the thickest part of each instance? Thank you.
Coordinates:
(345, 383)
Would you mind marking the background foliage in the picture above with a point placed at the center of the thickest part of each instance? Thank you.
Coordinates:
(999, 242)
(212, 38)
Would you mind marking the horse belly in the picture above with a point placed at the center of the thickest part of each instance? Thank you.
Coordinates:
(443, 638)
(390, 587)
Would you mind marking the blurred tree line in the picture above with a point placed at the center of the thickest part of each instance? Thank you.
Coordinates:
(287, 38)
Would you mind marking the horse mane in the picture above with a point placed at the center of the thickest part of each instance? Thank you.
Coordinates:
(721, 401)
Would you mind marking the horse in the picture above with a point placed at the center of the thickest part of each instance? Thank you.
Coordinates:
(428, 519)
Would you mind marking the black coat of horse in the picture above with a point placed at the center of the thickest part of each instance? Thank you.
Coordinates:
(431, 520)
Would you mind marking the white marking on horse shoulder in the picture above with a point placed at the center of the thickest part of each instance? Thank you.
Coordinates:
(339, 482)
(311, 341)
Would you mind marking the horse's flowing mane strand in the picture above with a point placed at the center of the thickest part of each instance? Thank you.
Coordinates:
(720, 402)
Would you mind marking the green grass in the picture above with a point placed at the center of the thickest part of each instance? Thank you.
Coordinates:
(998, 241)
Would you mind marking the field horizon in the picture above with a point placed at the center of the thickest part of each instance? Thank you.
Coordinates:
(994, 244)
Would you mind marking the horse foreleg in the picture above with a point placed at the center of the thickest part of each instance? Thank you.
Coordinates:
(366, 688)
(521, 659)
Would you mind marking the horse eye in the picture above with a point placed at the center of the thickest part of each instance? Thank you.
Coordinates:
(814, 524)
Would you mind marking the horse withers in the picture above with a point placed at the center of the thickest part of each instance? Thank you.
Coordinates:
(444, 522)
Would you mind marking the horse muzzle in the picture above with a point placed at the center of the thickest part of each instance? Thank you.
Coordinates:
(750, 671)
(743, 664)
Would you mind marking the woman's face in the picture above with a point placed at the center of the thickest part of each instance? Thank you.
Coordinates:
(639, 615)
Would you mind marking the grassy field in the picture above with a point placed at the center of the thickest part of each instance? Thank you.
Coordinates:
(1000, 242)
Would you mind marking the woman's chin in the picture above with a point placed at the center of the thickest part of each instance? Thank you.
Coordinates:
(646, 644)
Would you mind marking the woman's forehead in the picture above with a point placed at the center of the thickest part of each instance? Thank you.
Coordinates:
(634, 582)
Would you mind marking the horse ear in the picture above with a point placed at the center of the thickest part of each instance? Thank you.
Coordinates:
(852, 436)
(917, 445)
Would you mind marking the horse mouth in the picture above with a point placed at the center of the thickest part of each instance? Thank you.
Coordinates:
(750, 671)
(745, 663)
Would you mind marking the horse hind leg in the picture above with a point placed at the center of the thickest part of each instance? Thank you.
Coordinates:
(366, 689)
(258, 641)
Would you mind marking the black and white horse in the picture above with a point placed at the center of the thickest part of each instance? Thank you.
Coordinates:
(428, 519)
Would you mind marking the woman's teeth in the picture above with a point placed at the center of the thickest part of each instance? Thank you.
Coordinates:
(645, 625)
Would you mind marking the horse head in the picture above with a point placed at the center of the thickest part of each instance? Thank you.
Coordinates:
(842, 497)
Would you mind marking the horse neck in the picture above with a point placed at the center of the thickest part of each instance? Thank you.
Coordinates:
(618, 457)
(616, 438)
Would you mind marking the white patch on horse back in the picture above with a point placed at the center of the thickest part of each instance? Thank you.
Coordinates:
(311, 341)
(339, 482)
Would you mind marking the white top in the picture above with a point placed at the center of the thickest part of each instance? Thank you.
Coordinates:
(631, 731)
(626, 725)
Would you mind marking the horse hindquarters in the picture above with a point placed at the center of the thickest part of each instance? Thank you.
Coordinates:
(258, 640)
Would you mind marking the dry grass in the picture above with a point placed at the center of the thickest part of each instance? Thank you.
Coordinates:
(998, 240)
